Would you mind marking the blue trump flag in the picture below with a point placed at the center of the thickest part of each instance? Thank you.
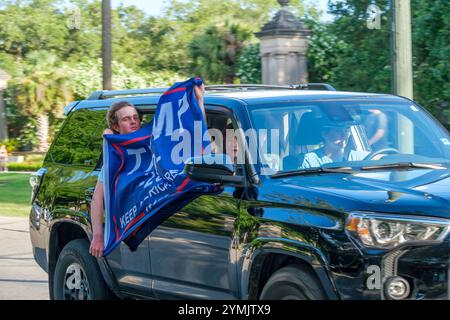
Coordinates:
(144, 170)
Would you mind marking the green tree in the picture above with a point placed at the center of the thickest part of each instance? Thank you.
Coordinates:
(86, 77)
(431, 48)
(197, 15)
(196, 23)
(215, 52)
(28, 26)
(249, 65)
(365, 62)
(324, 50)
(82, 41)
(42, 89)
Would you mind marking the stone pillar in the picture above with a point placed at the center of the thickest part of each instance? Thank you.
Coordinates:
(4, 78)
(283, 49)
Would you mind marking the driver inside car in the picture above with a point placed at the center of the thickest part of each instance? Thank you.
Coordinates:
(335, 147)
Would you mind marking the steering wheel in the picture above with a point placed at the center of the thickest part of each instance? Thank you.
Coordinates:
(371, 155)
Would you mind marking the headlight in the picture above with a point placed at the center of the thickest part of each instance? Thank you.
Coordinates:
(388, 231)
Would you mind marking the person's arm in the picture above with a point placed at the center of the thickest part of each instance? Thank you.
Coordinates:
(381, 131)
(199, 93)
(96, 248)
(97, 245)
(377, 136)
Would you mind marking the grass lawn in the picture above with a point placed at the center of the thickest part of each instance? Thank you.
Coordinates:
(15, 194)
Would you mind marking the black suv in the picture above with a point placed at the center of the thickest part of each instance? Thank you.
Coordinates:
(347, 196)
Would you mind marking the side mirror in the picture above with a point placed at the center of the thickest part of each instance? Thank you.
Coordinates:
(213, 169)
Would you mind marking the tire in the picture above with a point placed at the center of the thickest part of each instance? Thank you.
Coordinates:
(77, 274)
(294, 282)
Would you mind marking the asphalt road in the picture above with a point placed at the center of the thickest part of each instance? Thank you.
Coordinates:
(20, 276)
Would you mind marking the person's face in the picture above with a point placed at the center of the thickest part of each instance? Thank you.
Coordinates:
(231, 143)
(336, 137)
(128, 120)
(232, 148)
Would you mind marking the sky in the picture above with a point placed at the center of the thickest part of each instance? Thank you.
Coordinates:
(154, 7)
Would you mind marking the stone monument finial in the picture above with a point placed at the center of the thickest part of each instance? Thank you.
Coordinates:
(283, 23)
(283, 3)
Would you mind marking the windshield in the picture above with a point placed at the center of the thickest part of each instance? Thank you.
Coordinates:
(347, 133)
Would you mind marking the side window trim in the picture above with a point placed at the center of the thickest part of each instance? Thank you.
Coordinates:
(224, 111)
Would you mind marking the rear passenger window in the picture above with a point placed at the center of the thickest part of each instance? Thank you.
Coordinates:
(80, 140)
(147, 118)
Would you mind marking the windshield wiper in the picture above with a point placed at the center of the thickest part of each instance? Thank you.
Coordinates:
(347, 170)
(402, 165)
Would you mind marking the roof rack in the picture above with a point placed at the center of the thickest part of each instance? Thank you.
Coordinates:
(246, 87)
(105, 94)
(314, 86)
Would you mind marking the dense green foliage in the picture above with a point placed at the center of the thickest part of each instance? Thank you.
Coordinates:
(431, 39)
(364, 64)
(249, 65)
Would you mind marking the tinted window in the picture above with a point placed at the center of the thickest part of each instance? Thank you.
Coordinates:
(348, 133)
(80, 140)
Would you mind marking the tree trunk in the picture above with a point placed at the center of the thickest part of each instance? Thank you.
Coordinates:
(106, 45)
(42, 132)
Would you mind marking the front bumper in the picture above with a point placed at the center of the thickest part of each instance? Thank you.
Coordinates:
(425, 267)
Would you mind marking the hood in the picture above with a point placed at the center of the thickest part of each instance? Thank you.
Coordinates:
(421, 192)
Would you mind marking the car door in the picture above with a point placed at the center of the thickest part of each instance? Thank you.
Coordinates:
(192, 253)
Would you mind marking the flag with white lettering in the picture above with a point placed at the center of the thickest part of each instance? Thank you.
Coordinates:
(144, 171)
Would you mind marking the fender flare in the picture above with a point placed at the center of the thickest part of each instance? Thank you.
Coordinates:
(253, 262)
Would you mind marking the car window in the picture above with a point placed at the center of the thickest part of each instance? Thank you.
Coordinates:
(347, 133)
(146, 118)
(224, 136)
(78, 143)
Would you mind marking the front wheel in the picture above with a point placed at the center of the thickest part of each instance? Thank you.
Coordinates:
(294, 282)
(77, 274)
